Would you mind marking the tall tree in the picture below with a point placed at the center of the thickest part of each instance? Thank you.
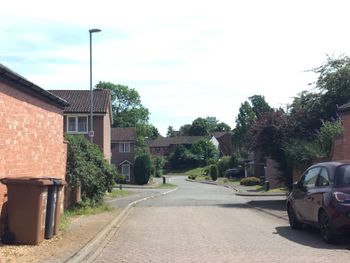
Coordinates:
(128, 110)
(185, 130)
(334, 84)
(171, 132)
(222, 127)
(199, 127)
(245, 119)
(259, 105)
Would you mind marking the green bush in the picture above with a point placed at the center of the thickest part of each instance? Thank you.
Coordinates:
(192, 177)
(207, 177)
(223, 165)
(249, 181)
(86, 167)
(120, 179)
(158, 164)
(214, 172)
(142, 168)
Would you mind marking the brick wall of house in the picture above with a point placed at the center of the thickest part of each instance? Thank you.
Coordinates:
(225, 142)
(159, 151)
(107, 136)
(338, 148)
(118, 157)
(341, 145)
(31, 137)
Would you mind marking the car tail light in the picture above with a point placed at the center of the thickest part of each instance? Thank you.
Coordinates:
(342, 197)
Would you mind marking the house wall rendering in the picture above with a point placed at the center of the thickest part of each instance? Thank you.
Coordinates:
(31, 137)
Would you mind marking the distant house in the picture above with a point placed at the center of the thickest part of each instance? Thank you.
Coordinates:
(31, 132)
(77, 115)
(123, 142)
(225, 142)
(165, 146)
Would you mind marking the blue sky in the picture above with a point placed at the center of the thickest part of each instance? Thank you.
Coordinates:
(187, 59)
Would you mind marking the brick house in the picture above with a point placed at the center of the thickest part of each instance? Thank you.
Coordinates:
(31, 132)
(77, 115)
(341, 145)
(225, 142)
(123, 142)
(165, 146)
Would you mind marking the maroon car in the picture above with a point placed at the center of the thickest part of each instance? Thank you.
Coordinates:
(322, 198)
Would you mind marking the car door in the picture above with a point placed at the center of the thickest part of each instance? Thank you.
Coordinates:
(303, 194)
(322, 186)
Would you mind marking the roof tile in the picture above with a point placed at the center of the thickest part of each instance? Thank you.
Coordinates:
(79, 100)
(123, 134)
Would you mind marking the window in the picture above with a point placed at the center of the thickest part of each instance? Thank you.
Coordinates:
(126, 172)
(157, 150)
(309, 178)
(124, 147)
(323, 179)
(342, 175)
(77, 124)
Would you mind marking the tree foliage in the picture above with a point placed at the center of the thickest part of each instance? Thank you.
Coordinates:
(171, 132)
(259, 105)
(127, 108)
(86, 167)
(142, 169)
(204, 150)
(199, 127)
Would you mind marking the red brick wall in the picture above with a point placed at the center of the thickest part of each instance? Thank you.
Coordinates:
(118, 157)
(338, 149)
(107, 136)
(102, 132)
(225, 142)
(31, 137)
(341, 145)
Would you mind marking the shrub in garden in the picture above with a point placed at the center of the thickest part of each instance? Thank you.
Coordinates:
(87, 167)
(158, 164)
(192, 177)
(120, 179)
(249, 181)
(223, 165)
(142, 168)
(213, 172)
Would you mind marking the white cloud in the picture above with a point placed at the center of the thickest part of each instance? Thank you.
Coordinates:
(186, 58)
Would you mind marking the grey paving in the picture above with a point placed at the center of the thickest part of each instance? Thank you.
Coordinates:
(206, 223)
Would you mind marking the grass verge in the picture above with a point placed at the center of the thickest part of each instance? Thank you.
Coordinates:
(117, 193)
(188, 171)
(82, 210)
(167, 186)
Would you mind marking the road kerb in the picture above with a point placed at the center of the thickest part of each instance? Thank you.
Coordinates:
(95, 246)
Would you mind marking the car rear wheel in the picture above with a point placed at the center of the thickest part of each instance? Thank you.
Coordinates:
(326, 228)
(293, 220)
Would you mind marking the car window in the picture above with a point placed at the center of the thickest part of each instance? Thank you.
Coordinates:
(310, 177)
(342, 176)
(323, 178)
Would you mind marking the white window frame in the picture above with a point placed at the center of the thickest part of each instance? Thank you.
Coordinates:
(76, 123)
(123, 148)
(126, 173)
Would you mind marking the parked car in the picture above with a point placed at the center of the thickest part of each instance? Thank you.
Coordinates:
(322, 198)
(234, 173)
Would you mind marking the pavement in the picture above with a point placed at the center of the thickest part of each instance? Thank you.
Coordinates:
(272, 204)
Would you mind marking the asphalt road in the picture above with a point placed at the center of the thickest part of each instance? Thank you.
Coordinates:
(207, 223)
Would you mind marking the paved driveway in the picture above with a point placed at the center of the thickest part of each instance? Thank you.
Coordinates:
(206, 223)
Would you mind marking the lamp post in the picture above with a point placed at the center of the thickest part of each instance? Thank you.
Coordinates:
(91, 130)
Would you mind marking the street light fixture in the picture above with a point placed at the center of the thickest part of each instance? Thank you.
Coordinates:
(91, 130)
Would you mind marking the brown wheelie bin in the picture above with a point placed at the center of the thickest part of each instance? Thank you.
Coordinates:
(27, 201)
